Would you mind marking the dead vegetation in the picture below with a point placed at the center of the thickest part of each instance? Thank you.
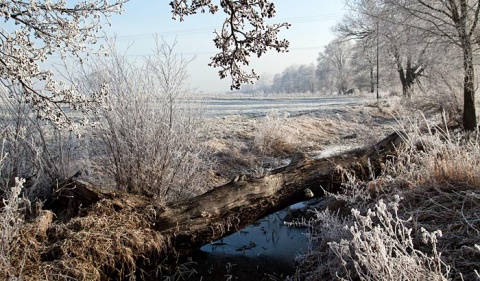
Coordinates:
(109, 241)
(430, 232)
(242, 144)
(436, 176)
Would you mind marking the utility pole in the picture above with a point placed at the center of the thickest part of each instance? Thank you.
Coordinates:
(378, 97)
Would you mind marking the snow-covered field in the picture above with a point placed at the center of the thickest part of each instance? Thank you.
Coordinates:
(261, 106)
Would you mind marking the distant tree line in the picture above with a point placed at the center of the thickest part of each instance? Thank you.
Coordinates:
(344, 66)
(423, 46)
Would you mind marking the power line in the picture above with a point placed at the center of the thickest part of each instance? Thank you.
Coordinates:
(210, 29)
(213, 53)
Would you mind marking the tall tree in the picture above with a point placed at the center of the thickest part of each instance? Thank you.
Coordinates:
(337, 58)
(456, 22)
(409, 51)
(295, 79)
(370, 20)
(364, 64)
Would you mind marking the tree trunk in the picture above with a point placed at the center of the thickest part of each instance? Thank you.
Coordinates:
(408, 77)
(408, 74)
(469, 113)
(372, 81)
(187, 225)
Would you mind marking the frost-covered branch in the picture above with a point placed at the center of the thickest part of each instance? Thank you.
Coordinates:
(34, 31)
(244, 32)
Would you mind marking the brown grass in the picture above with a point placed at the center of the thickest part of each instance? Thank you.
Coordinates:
(444, 193)
(253, 145)
(437, 175)
(111, 241)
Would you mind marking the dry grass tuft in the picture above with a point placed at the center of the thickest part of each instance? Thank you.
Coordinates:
(272, 137)
(107, 243)
(441, 157)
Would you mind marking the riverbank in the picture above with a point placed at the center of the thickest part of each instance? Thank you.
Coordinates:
(126, 233)
(409, 199)
(255, 145)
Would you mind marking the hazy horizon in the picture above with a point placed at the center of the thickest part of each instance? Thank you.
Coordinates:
(310, 32)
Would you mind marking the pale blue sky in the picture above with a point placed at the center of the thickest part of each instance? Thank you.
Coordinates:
(311, 22)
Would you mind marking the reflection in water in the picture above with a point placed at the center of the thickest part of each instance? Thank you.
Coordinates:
(269, 237)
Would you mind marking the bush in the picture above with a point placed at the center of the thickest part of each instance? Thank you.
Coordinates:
(35, 150)
(148, 129)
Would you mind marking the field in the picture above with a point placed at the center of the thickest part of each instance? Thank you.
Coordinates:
(257, 106)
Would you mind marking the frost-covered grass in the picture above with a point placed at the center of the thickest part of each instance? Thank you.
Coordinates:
(11, 220)
(12, 212)
(418, 220)
(243, 144)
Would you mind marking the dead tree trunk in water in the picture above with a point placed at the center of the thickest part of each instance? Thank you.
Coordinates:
(189, 224)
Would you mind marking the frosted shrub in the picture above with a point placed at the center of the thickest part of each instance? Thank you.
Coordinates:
(11, 218)
(382, 248)
(147, 128)
(37, 150)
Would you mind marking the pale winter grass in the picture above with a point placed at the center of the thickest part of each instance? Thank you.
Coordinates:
(242, 144)
(436, 156)
(272, 137)
(443, 192)
(37, 151)
(430, 234)
(11, 219)
(281, 134)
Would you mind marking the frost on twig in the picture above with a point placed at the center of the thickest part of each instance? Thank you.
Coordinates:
(244, 33)
(36, 30)
(382, 248)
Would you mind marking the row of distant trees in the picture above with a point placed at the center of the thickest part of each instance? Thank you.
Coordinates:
(342, 66)
(415, 46)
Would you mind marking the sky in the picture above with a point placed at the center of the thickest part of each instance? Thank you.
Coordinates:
(311, 22)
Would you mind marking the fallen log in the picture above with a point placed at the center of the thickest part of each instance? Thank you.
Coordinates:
(111, 234)
(245, 199)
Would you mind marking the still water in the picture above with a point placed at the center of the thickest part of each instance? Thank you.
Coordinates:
(268, 237)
